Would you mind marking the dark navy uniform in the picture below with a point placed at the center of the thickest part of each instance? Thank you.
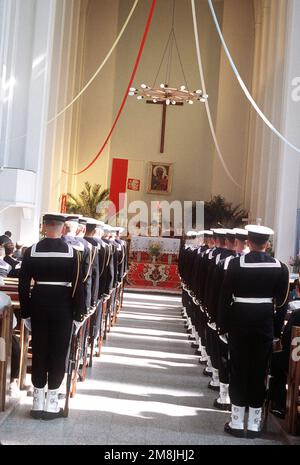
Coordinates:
(56, 299)
(253, 284)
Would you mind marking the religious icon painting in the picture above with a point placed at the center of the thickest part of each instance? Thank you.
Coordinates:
(160, 177)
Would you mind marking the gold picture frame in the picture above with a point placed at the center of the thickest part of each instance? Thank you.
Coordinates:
(160, 178)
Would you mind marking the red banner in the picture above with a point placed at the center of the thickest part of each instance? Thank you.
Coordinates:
(118, 180)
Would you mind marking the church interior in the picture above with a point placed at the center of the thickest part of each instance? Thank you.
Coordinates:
(77, 108)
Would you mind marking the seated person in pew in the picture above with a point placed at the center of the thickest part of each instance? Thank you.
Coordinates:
(15, 264)
(5, 268)
(18, 255)
(280, 359)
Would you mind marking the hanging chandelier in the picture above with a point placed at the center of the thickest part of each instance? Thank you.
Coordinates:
(165, 93)
(168, 95)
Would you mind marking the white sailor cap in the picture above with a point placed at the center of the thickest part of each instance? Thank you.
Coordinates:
(259, 232)
(54, 216)
(219, 232)
(230, 234)
(241, 234)
(72, 217)
(207, 233)
(107, 228)
(92, 222)
(119, 229)
(191, 233)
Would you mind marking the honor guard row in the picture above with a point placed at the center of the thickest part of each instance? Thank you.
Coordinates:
(233, 294)
(70, 281)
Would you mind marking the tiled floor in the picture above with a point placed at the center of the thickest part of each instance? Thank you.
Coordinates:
(146, 388)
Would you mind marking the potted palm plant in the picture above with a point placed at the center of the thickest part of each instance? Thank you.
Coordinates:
(88, 202)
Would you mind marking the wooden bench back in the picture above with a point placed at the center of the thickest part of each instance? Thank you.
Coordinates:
(5, 353)
(293, 403)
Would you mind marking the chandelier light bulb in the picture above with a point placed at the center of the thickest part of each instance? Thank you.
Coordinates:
(199, 91)
(140, 97)
(154, 100)
(168, 101)
(202, 99)
(173, 102)
(205, 96)
(191, 102)
(143, 86)
(131, 93)
(132, 89)
(182, 87)
(162, 86)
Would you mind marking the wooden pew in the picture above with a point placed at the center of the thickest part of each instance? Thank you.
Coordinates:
(293, 393)
(6, 317)
(11, 289)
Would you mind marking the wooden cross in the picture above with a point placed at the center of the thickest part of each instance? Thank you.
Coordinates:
(163, 122)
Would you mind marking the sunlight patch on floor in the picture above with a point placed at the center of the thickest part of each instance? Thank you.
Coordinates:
(147, 353)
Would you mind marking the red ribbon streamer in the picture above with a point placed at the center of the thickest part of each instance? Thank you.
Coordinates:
(127, 90)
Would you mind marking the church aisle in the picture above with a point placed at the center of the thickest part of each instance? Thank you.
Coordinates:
(146, 388)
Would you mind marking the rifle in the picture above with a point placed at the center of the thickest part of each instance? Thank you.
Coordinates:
(85, 343)
(73, 361)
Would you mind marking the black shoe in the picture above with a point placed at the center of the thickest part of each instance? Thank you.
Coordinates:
(194, 345)
(213, 388)
(207, 373)
(253, 434)
(189, 331)
(36, 414)
(52, 415)
(278, 412)
(238, 433)
(225, 407)
(198, 352)
(202, 362)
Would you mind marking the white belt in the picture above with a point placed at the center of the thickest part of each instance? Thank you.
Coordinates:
(253, 300)
(54, 283)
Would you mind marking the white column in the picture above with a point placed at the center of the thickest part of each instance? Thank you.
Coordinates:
(25, 61)
(233, 108)
(288, 192)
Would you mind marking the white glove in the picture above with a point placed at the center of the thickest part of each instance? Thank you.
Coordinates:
(224, 338)
(27, 323)
(212, 326)
(77, 325)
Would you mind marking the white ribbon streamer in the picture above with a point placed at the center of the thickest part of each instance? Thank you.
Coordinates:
(100, 67)
(212, 129)
(243, 85)
(94, 76)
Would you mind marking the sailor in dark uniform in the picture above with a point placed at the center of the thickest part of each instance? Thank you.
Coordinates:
(87, 259)
(240, 248)
(203, 237)
(112, 262)
(56, 299)
(122, 264)
(254, 285)
(5, 267)
(224, 248)
(93, 236)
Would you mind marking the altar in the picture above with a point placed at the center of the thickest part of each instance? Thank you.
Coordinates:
(153, 263)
